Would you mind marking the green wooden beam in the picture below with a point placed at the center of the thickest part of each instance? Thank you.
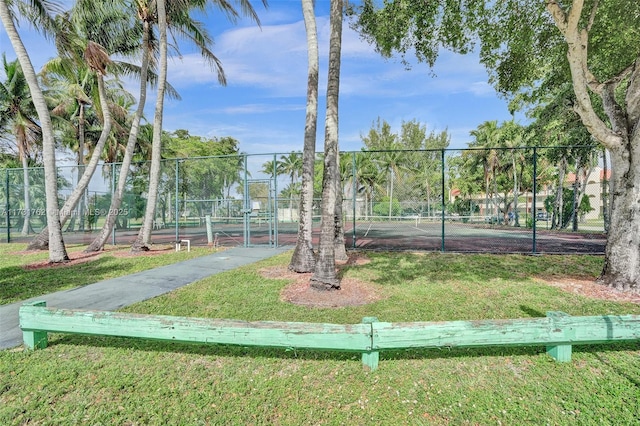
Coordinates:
(558, 331)
(35, 339)
(196, 330)
(550, 331)
(370, 359)
(561, 353)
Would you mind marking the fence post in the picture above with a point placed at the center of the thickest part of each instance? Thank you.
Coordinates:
(113, 192)
(442, 248)
(371, 358)
(355, 198)
(534, 213)
(274, 213)
(176, 214)
(7, 205)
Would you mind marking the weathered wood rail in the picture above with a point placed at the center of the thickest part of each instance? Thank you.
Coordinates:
(558, 331)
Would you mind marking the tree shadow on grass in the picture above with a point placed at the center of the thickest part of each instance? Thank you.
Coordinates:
(18, 283)
(394, 268)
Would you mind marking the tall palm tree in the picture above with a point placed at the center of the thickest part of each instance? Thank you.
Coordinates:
(74, 88)
(144, 236)
(18, 113)
(41, 16)
(181, 24)
(487, 137)
(145, 12)
(81, 40)
(303, 259)
(325, 276)
(291, 165)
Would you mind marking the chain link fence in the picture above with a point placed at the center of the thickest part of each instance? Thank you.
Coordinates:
(495, 200)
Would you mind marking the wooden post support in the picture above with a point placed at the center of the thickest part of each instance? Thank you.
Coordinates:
(561, 353)
(207, 220)
(370, 358)
(35, 339)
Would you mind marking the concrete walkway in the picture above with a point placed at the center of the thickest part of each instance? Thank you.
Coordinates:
(116, 293)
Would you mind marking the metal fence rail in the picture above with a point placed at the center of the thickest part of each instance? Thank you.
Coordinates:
(499, 200)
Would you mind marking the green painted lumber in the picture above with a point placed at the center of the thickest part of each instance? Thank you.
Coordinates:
(196, 330)
(558, 330)
(35, 339)
(370, 359)
(561, 353)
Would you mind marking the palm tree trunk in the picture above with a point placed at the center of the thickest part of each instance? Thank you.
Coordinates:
(57, 249)
(144, 236)
(81, 169)
(42, 240)
(325, 276)
(340, 251)
(516, 218)
(303, 259)
(116, 200)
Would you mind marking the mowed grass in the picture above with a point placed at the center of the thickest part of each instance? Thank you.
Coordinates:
(99, 380)
(18, 282)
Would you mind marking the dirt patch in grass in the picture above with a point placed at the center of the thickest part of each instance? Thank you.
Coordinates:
(591, 289)
(79, 257)
(353, 292)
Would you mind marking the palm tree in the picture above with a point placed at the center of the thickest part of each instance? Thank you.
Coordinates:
(144, 236)
(291, 165)
(391, 162)
(487, 137)
(303, 259)
(180, 23)
(77, 34)
(41, 17)
(74, 87)
(186, 27)
(18, 112)
(325, 277)
(368, 177)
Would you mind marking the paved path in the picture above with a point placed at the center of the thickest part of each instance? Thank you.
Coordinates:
(116, 293)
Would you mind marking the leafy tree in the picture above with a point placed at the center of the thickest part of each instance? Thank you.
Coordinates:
(521, 40)
(572, 207)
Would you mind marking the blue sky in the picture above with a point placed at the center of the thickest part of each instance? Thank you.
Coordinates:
(263, 105)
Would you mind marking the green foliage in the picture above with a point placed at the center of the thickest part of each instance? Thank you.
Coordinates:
(386, 207)
(464, 207)
(406, 165)
(423, 28)
(567, 205)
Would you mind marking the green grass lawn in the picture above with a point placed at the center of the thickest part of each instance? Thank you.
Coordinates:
(99, 380)
(19, 283)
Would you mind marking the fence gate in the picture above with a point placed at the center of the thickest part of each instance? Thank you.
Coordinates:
(260, 212)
